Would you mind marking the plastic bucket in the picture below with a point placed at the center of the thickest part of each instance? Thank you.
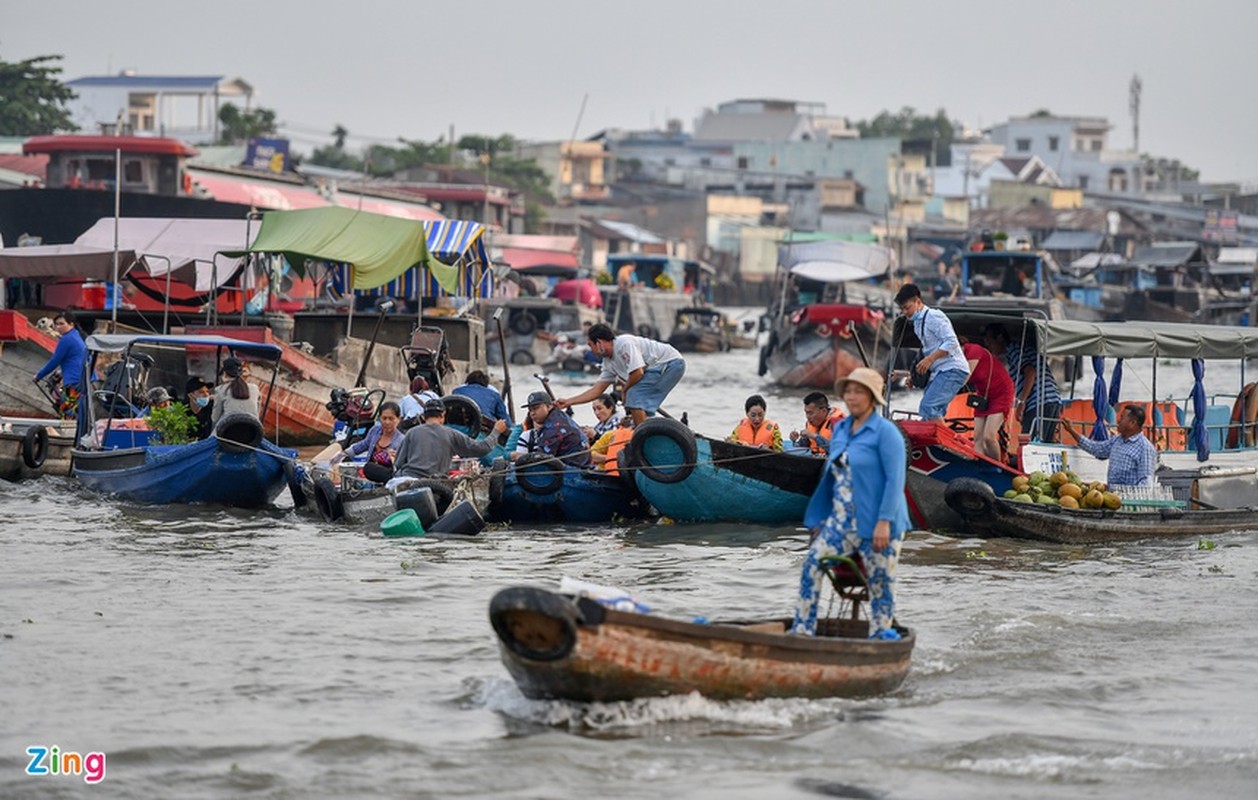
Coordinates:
(421, 501)
(462, 519)
(402, 523)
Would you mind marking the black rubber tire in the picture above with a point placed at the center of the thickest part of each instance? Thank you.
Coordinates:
(442, 492)
(669, 429)
(238, 433)
(539, 474)
(328, 500)
(464, 412)
(525, 600)
(970, 497)
(35, 446)
(424, 504)
(522, 357)
(294, 485)
(523, 323)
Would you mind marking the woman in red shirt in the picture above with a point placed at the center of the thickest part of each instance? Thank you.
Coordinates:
(988, 379)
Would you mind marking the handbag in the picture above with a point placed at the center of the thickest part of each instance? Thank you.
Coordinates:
(976, 401)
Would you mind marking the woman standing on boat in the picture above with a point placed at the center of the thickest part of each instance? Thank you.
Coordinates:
(859, 507)
(69, 356)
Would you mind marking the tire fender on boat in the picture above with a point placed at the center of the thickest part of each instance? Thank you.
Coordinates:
(238, 433)
(970, 497)
(533, 623)
(328, 500)
(442, 492)
(539, 474)
(670, 429)
(35, 446)
(463, 411)
(497, 481)
(294, 485)
(523, 323)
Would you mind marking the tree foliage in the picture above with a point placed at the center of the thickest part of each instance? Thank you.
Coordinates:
(334, 155)
(240, 126)
(908, 124)
(33, 98)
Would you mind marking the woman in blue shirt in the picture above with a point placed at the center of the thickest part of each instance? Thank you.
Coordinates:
(70, 355)
(859, 507)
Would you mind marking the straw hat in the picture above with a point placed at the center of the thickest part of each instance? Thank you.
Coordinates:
(869, 378)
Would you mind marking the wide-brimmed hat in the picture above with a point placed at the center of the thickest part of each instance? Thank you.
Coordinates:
(538, 398)
(869, 378)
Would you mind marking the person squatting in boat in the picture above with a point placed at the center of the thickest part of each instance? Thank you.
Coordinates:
(648, 369)
(819, 422)
(859, 506)
(755, 430)
(201, 405)
(427, 450)
(380, 445)
(477, 389)
(604, 408)
(608, 446)
(553, 432)
(942, 358)
(412, 404)
(236, 395)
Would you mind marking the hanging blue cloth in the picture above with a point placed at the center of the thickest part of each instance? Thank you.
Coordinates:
(1198, 433)
(1115, 382)
(1099, 400)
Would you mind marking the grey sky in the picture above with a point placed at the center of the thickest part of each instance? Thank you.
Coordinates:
(414, 68)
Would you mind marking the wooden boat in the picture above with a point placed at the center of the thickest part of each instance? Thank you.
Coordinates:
(24, 349)
(544, 489)
(235, 466)
(693, 478)
(829, 319)
(700, 330)
(32, 447)
(985, 514)
(560, 647)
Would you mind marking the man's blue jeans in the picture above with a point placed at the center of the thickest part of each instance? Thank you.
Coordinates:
(943, 386)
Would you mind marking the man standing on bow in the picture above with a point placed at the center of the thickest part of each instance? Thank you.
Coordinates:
(942, 358)
(648, 369)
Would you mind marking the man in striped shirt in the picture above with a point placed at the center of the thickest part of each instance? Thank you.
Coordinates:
(1132, 457)
(1037, 401)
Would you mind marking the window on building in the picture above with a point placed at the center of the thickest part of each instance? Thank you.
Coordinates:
(133, 171)
(1053, 143)
(742, 162)
(1083, 182)
(1022, 145)
(705, 162)
(1096, 145)
(670, 162)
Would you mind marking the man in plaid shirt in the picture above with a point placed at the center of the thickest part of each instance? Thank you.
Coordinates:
(1132, 457)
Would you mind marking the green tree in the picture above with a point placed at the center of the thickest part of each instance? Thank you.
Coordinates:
(334, 155)
(240, 126)
(908, 124)
(33, 98)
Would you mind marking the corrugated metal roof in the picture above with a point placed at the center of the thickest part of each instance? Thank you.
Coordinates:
(150, 81)
(1238, 255)
(1073, 240)
(627, 230)
(1168, 254)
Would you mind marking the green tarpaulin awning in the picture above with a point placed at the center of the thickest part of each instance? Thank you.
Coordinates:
(379, 247)
(1140, 339)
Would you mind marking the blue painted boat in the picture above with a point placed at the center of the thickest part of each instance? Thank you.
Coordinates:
(540, 488)
(693, 478)
(235, 466)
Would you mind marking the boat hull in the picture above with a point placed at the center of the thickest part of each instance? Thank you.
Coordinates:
(24, 349)
(581, 496)
(201, 472)
(17, 456)
(557, 647)
(723, 482)
(986, 514)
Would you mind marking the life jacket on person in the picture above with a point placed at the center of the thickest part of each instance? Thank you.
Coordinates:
(754, 438)
(826, 430)
(620, 440)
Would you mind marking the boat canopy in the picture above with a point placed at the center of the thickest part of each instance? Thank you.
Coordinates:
(118, 342)
(51, 261)
(836, 262)
(455, 243)
(379, 248)
(1145, 339)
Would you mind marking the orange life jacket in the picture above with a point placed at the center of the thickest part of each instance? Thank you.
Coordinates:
(754, 438)
(826, 430)
(620, 440)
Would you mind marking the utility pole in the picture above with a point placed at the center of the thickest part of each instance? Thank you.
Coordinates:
(1133, 105)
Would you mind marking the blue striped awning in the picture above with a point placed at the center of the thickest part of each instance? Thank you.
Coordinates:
(464, 268)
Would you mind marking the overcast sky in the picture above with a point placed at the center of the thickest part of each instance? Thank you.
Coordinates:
(415, 68)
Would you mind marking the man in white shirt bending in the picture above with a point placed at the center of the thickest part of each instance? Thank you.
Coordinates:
(648, 369)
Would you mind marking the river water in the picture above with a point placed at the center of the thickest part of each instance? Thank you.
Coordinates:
(214, 653)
